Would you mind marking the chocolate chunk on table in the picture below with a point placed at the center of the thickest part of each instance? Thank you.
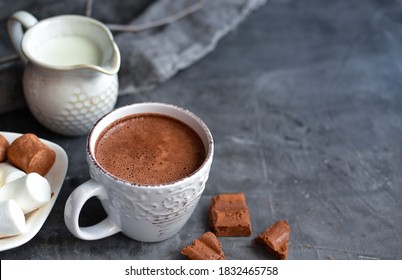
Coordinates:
(207, 247)
(229, 215)
(276, 239)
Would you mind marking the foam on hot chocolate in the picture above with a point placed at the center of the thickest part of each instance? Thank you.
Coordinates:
(149, 149)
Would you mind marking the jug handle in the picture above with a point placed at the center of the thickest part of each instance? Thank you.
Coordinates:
(15, 25)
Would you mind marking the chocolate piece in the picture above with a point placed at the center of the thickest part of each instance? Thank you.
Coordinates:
(3, 148)
(28, 153)
(229, 215)
(276, 239)
(207, 247)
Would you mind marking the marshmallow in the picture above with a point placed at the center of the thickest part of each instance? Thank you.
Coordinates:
(30, 191)
(3, 148)
(9, 173)
(12, 219)
(30, 154)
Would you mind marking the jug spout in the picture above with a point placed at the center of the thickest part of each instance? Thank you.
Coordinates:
(111, 60)
(98, 49)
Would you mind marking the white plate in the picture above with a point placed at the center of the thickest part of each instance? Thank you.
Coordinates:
(37, 218)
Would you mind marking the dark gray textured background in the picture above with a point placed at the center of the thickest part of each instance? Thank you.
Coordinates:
(304, 102)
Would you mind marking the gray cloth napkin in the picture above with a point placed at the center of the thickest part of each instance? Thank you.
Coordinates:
(149, 58)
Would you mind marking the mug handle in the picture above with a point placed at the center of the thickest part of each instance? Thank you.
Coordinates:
(73, 208)
(15, 25)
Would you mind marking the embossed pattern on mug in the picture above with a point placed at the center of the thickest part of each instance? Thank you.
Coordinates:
(175, 206)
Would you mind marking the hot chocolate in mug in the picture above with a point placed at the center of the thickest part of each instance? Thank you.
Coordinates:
(147, 212)
(71, 64)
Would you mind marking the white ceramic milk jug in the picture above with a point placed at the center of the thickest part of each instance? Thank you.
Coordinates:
(70, 78)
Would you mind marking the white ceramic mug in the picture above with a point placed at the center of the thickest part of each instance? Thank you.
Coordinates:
(71, 64)
(143, 213)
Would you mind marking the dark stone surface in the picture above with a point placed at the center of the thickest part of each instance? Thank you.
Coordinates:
(304, 104)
